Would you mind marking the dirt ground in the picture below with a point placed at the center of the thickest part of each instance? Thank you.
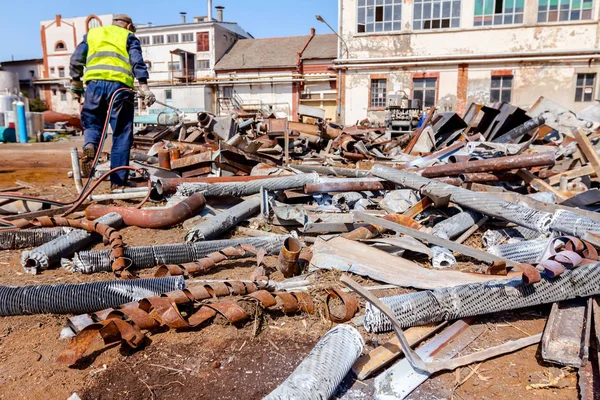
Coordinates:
(220, 361)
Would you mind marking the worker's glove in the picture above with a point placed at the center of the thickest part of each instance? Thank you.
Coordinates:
(77, 90)
(148, 96)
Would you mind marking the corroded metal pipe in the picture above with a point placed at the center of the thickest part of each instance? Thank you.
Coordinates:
(164, 159)
(347, 185)
(482, 177)
(153, 218)
(289, 256)
(517, 133)
(491, 164)
(371, 231)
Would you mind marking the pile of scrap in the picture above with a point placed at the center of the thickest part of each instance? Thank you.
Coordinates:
(473, 215)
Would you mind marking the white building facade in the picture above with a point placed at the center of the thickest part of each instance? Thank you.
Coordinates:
(450, 53)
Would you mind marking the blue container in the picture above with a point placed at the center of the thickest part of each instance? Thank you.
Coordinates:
(7, 135)
(21, 122)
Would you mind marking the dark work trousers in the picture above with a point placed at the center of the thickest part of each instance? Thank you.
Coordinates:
(93, 115)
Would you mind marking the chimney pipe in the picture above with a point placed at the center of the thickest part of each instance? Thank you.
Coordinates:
(183, 17)
(220, 13)
(210, 9)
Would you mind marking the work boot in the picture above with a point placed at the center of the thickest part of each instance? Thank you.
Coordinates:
(89, 153)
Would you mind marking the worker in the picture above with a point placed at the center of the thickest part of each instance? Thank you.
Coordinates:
(112, 58)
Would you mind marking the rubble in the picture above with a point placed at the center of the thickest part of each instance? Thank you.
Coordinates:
(459, 216)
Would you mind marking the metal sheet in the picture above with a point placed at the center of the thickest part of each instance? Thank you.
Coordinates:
(563, 341)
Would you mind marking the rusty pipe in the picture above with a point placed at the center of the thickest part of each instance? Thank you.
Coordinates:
(481, 177)
(346, 186)
(453, 159)
(450, 180)
(164, 159)
(491, 165)
(372, 231)
(174, 153)
(289, 256)
(152, 218)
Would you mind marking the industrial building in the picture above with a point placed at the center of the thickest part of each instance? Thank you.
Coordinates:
(450, 53)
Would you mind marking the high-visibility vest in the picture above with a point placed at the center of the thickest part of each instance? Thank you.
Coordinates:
(107, 57)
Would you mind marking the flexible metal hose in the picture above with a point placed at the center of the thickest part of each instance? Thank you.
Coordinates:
(240, 189)
(526, 252)
(212, 227)
(89, 262)
(21, 239)
(447, 304)
(50, 254)
(83, 297)
(321, 372)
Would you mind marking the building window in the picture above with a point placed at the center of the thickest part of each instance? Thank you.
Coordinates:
(378, 93)
(436, 14)
(424, 90)
(379, 15)
(61, 72)
(564, 10)
(584, 89)
(93, 22)
(174, 38)
(174, 66)
(54, 92)
(203, 64)
(52, 71)
(203, 39)
(32, 73)
(501, 89)
(60, 46)
(160, 39)
(144, 40)
(187, 37)
(168, 94)
(498, 12)
(148, 65)
(63, 95)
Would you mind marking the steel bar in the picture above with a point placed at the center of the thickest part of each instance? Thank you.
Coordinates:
(323, 170)
(240, 189)
(144, 158)
(490, 165)
(50, 254)
(461, 239)
(215, 226)
(431, 239)
(483, 177)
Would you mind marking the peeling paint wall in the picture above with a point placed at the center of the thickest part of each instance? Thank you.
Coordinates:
(544, 59)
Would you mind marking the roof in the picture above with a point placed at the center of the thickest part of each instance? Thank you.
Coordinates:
(322, 46)
(231, 26)
(29, 61)
(278, 52)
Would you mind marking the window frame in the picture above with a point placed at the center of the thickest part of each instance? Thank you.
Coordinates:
(394, 10)
(191, 37)
(144, 40)
(63, 95)
(378, 105)
(202, 42)
(63, 44)
(584, 86)
(202, 68)
(502, 89)
(89, 20)
(168, 94)
(502, 15)
(61, 72)
(154, 41)
(435, 88)
(170, 36)
(547, 12)
(418, 23)
(172, 63)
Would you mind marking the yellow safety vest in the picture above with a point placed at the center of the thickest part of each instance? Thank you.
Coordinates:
(107, 57)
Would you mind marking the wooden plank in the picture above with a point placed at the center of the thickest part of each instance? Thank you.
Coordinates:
(383, 355)
(587, 149)
(418, 208)
(466, 250)
(574, 173)
(540, 185)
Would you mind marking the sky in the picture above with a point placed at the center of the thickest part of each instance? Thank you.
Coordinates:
(20, 27)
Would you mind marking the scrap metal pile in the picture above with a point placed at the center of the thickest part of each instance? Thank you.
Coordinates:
(492, 211)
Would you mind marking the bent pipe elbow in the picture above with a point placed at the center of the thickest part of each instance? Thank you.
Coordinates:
(152, 219)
